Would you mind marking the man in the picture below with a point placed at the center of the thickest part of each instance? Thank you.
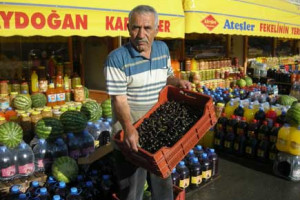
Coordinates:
(135, 73)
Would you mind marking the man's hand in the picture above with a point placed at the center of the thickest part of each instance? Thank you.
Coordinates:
(185, 84)
(172, 80)
(131, 138)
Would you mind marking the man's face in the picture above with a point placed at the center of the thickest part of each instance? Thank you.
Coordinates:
(142, 31)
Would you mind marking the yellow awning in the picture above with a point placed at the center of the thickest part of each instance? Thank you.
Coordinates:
(274, 18)
(84, 18)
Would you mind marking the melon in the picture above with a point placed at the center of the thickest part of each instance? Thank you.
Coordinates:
(73, 121)
(241, 83)
(22, 102)
(11, 134)
(49, 128)
(64, 169)
(39, 100)
(92, 110)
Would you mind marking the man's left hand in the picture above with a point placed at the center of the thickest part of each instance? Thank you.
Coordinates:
(185, 84)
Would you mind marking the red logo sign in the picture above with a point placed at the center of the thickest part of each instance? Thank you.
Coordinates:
(210, 22)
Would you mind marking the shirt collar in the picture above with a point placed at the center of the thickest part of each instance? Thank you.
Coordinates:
(134, 53)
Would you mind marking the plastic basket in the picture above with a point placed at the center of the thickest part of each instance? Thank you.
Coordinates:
(165, 159)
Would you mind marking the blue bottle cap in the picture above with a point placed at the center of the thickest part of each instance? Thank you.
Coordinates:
(15, 189)
(106, 123)
(105, 177)
(90, 123)
(22, 145)
(89, 184)
(191, 152)
(85, 132)
(3, 148)
(173, 170)
(56, 197)
(74, 190)
(59, 141)
(94, 172)
(42, 141)
(250, 107)
(43, 191)
(79, 178)
(97, 126)
(70, 135)
(35, 183)
(181, 163)
(204, 155)
(199, 147)
(62, 184)
(195, 160)
(212, 150)
(22, 196)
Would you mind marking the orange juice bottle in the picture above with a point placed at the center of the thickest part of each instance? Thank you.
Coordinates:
(60, 95)
(294, 144)
(51, 95)
(249, 113)
(283, 138)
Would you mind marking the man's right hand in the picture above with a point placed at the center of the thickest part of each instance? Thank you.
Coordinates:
(131, 138)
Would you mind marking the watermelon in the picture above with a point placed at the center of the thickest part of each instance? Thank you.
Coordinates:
(293, 114)
(22, 102)
(73, 121)
(106, 108)
(286, 100)
(11, 134)
(92, 110)
(38, 100)
(65, 169)
(49, 128)
(86, 92)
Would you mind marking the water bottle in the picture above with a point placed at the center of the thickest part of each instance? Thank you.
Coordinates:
(89, 127)
(196, 173)
(87, 144)
(90, 192)
(61, 190)
(7, 164)
(60, 148)
(175, 177)
(198, 151)
(104, 137)
(106, 185)
(109, 119)
(74, 194)
(14, 192)
(42, 157)
(50, 184)
(184, 173)
(95, 133)
(33, 188)
(25, 159)
(42, 194)
(214, 162)
(206, 168)
(74, 145)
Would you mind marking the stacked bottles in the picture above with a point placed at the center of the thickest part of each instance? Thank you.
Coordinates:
(7, 164)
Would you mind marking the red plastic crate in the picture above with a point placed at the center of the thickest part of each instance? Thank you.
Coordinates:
(165, 159)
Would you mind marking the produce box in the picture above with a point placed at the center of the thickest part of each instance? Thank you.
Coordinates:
(96, 155)
(165, 159)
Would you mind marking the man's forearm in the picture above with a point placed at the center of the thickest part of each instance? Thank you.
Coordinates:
(122, 110)
(172, 80)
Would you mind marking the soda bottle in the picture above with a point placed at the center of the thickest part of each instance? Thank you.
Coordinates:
(95, 178)
(196, 173)
(14, 192)
(263, 149)
(87, 146)
(7, 164)
(263, 131)
(281, 119)
(221, 124)
(283, 143)
(50, 184)
(188, 157)
(74, 146)
(229, 108)
(74, 194)
(206, 168)
(219, 140)
(230, 136)
(251, 145)
(239, 111)
(239, 143)
(271, 116)
(175, 177)
(40, 152)
(33, 188)
(25, 159)
(80, 181)
(104, 137)
(242, 127)
(42, 194)
(252, 128)
(198, 151)
(89, 192)
(274, 133)
(106, 187)
(232, 125)
(61, 190)
(260, 115)
(249, 113)
(60, 148)
(272, 152)
(294, 147)
(184, 174)
(214, 162)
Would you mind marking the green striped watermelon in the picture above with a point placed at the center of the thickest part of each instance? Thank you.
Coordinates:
(22, 102)
(11, 134)
(49, 128)
(92, 110)
(73, 121)
(106, 108)
(64, 169)
(39, 100)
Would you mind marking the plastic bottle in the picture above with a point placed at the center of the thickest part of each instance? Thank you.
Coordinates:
(198, 151)
(104, 137)
(60, 148)
(206, 168)
(60, 95)
(87, 144)
(74, 146)
(33, 188)
(281, 119)
(274, 133)
(188, 158)
(25, 159)
(272, 152)
(260, 115)
(196, 173)
(214, 162)
(283, 138)
(175, 177)
(294, 147)
(219, 140)
(239, 143)
(249, 113)
(263, 149)
(56, 197)
(61, 190)
(271, 116)
(184, 175)
(42, 194)
(232, 125)
(50, 184)
(34, 82)
(40, 153)
(23, 197)
(7, 164)
(252, 128)
(230, 136)
(88, 192)
(96, 133)
(51, 95)
(239, 111)
(74, 194)
(106, 186)
(242, 127)
(263, 131)
(222, 121)
(14, 192)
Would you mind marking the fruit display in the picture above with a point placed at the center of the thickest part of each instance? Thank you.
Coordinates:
(92, 110)
(49, 128)
(166, 125)
(22, 102)
(286, 100)
(11, 134)
(106, 108)
(65, 169)
(39, 100)
(293, 114)
(73, 121)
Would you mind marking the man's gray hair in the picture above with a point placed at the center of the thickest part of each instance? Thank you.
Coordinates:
(144, 9)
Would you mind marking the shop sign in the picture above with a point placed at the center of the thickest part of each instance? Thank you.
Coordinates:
(113, 23)
(210, 22)
(244, 26)
(38, 20)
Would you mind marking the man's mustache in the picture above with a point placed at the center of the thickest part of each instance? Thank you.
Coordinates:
(141, 40)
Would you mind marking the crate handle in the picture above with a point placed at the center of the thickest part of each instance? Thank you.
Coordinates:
(188, 94)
